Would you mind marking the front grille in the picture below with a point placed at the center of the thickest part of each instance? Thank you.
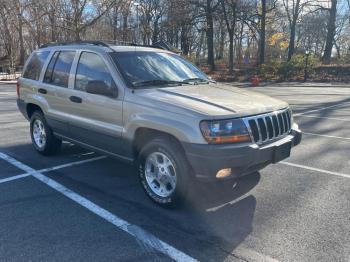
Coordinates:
(267, 127)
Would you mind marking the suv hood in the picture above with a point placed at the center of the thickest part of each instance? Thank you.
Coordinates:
(216, 100)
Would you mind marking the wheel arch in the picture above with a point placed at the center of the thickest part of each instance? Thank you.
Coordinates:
(144, 134)
(31, 108)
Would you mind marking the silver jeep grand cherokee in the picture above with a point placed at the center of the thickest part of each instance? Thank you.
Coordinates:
(151, 107)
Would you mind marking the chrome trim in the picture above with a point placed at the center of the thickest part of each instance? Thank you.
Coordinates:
(257, 125)
(267, 129)
(273, 126)
(288, 118)
(282, 120)
(249, 130)
(281, 126)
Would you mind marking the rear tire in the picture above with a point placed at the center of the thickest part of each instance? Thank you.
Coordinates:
(43, 139)
(164, 172)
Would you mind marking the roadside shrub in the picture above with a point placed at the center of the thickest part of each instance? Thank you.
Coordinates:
(270, 69)
(291, 70)
(296, 67)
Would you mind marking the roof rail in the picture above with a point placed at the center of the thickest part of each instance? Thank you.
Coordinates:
(96, 43)
(166, 46)
(104, 43)
(160, 45)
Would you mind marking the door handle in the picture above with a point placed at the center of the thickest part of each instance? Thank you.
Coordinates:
(42, 91)
(75, 99)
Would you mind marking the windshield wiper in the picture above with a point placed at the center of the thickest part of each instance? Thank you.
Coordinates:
(197, 80)
(156, 82)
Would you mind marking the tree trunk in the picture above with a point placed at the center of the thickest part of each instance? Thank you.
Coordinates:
(230, 61)
(21, 42)
(199, 49)
(115, 22)
(240, 49)
(155, 30)
(222, 42)
(184, 41)
(262, 43)
(293, 19)
(210, 36)
(331, 27)
(231, 27)
(125, 26)
(337, 47)
(291, 48)
(77, 35)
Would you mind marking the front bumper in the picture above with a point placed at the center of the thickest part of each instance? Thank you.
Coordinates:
(207, 160)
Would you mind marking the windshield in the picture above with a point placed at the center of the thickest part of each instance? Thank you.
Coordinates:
(143, 69)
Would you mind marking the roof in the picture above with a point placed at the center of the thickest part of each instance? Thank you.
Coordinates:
(102, 46)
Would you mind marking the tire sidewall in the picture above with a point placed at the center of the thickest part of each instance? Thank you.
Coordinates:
(38, 116)
(179, 192)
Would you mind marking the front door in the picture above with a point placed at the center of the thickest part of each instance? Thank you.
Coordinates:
(98, 105)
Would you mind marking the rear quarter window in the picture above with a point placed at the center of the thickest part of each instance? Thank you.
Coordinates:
(35, 65)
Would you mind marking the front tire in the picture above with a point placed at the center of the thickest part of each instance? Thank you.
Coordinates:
(164, 172)
(42, 136)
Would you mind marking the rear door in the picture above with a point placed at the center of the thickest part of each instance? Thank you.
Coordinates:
(98, 118)
(55, 85)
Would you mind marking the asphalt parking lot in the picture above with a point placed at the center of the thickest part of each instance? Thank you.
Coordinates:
(80, 206)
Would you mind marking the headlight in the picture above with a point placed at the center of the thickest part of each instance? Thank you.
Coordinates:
(225, 131)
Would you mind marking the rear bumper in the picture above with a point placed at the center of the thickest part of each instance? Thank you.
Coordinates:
(207, 160)
(22, 106)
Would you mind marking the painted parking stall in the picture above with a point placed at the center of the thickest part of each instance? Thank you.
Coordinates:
(133, 230)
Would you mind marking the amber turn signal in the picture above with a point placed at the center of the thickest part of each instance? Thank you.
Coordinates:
(223, 173)
(228, 139)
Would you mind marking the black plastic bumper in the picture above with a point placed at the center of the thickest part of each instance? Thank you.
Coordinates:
(22, 106)
(207, 160)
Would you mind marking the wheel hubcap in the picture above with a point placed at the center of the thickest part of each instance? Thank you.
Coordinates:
(160, 174)
(39, 133)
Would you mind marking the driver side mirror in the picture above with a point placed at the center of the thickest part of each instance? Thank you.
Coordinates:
(99, 87)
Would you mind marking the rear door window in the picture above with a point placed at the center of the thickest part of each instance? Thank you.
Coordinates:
(35, 65)
(58, 70)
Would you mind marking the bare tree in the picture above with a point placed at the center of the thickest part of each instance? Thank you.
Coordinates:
(331, 30)
(236, 30)
(293, 8)
(230, 14)
(265, 10)
(209, 7)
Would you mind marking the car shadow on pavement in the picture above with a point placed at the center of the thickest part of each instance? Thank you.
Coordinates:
(224, 212)
(329, 106)
(26, 153)
(214, 221)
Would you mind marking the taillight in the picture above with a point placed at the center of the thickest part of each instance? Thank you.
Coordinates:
(18, 85)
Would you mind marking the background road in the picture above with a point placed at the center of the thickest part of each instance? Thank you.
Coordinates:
(298, 210)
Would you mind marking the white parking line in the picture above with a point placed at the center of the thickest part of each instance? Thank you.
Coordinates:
(316, 169)
(133, 230)
(71, 164)
(50, 168)
(322, 117)
(319, 109)
(337, 137)
(8, 179)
